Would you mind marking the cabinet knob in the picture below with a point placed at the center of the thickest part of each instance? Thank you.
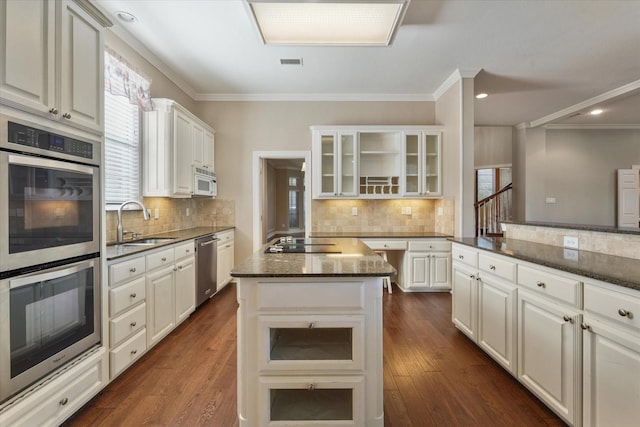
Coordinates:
(461, 256)
(625, 313)
(187, 251)
(311, 325)
(132, 270)
(53, 111)
(472, 276)
(567, 318)
(585, 327)
(311, 387)
(66, 116)
(164, 258)
(175, 268)
(492, 267)
(133, 295)
(133, 324)
(64, 401)
(541, 284)
(134, 352)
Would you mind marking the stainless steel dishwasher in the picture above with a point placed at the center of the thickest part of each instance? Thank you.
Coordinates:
(206, 267)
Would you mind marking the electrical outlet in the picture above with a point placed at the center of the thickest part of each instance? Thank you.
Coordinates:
(571, 255)
(188, 211)
(571, 242)
(408, 210)
(156, 213)
(440, 211)
(550, 200)
(354, 211)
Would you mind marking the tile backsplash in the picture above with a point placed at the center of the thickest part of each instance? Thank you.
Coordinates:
(172, 215)
(382, 215)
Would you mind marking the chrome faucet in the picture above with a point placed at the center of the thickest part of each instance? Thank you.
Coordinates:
(135, 202)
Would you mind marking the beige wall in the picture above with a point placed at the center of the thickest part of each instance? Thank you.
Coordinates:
(493, 146)
(244, 127)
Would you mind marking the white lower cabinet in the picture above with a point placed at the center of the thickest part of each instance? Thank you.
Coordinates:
(185, 288)
(57, 399)
(549, 349)
(225, 260)
(161, 297)
(611, 357)
(497, 310)
(310, 352)
(464, 301)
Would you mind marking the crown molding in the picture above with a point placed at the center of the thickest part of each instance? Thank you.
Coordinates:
(620, 91)
(455, 77)
(344, 97)
(591, 127)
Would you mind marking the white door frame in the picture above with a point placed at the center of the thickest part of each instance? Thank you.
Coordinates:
(258, 182)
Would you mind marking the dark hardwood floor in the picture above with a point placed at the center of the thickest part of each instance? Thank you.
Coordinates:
(433, 375)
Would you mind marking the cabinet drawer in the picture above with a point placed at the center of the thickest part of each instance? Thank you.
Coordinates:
(62, 396)
(464, 255)
(125, 296)
(311, 343)
(498, 266)
(616, 306)
(318, 401)
(430, 245)
(300, 296)
(123, 355)
(382, 245)
(184, 249)
(127, 324)
(126, 270)
(158, 259)
(556, 286)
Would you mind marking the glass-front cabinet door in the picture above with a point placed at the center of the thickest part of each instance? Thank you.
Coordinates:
(421, 161)
(337, 164)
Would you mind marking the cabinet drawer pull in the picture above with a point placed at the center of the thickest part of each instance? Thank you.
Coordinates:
(53, 110)
(187, 251)
(134, 352)
(311, 325)
(133, 295)
(66, 116)
(492, 267)
(567, 318)
(133, 324)
(175, 268)
(585, 327)
(541, 284)
(625, 313)
(164, 258)
(461, 256)
(132, 270)
(311, 387)
(64, 401)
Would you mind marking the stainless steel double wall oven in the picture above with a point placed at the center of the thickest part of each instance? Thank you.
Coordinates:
(50, 215)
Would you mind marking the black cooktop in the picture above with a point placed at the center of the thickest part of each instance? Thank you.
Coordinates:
(301, 245)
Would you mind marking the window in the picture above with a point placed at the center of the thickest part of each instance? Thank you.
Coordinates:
(122, 150)
(126, 94)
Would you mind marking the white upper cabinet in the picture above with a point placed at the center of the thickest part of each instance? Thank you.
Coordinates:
(174, 142)
(52, 62)
(422, 164)
(376, 162)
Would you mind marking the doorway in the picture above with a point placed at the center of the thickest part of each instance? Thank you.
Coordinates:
(281, 195)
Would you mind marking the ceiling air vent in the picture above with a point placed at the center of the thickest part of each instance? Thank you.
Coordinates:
(291, 61)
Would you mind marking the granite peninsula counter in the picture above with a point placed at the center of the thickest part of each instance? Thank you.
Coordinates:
(310, 336)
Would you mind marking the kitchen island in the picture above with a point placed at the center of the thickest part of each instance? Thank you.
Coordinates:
(310, 334)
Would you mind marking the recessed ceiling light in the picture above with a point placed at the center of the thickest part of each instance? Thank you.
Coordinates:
(126, 17)
(482, 95)
(596, 111)
(327, 22)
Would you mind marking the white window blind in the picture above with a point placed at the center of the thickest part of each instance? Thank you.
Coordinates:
(122, 150)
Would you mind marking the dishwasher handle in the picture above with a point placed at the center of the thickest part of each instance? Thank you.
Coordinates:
(209, 242)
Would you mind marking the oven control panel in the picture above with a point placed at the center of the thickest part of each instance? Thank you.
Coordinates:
(32, 137)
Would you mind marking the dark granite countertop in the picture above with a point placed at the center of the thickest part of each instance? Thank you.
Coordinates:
(608, 268)
(354, 260)
(383, 234)
(115, 251)
(584, 227)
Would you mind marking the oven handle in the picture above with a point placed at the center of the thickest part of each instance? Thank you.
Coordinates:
(54, 273)
(49, 164)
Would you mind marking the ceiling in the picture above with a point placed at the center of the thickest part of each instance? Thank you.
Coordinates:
(533, 57)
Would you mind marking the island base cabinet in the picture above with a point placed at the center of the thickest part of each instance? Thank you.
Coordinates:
(316, 401)
(464, 301)
(610, 354)
(549, 363)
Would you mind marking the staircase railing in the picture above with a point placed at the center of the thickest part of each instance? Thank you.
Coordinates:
(493, 209)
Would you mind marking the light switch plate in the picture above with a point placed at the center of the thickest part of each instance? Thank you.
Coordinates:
(571, 242)
(354, 211)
